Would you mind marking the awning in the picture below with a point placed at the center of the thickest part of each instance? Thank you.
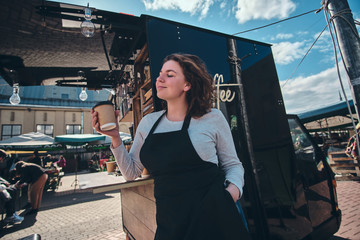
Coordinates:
(330, 117)
(78, 139)
(28, 139)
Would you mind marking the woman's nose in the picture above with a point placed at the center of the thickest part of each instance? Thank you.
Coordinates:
(159, 78)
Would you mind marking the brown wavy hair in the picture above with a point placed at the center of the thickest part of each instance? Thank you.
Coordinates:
(200, 95)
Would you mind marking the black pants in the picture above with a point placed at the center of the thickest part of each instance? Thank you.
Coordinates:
(10, 205)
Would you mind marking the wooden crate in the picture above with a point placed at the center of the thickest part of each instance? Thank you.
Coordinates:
(341, 163)
(139, 211)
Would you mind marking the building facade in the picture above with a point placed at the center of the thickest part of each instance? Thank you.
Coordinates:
(50, 110)
(50, 120)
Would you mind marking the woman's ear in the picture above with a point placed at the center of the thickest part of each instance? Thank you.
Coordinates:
(187, 87)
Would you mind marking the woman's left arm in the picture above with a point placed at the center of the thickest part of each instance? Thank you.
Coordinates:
(228, 159)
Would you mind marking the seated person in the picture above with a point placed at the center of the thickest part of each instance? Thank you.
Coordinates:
(8, 194)
(47, 161)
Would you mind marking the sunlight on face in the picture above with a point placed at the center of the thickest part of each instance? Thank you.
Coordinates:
(171, 83)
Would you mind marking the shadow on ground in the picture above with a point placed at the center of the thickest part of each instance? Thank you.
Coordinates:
(52, 200)
(29, 221)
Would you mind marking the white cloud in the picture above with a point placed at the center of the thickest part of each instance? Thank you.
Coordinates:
(284, 35)
(315, 91)
(223, 5)
(302, 33)
(189, 6)
(263, 9)
(287, 52)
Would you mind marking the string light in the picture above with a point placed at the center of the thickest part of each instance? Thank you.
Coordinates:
(83, 95)
(87, 27)
(15, 98)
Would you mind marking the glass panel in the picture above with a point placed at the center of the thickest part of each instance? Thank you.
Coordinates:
(77, 129)
(305, 154)
(16, 130)
(49, 129)
(40, 128)
(69, 129)
(6, 130)
(301, 141)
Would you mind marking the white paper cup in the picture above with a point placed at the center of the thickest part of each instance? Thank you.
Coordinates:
(106, 115)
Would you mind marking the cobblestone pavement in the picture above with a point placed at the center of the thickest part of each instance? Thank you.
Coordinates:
(348, 193)
(69, 214)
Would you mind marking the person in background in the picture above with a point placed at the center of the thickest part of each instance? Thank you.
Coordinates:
(95, 157)
(188, 149)
(61, 162)
(8, 194)
(47, 161)
(4, 164)
(352, 146)
(36, 177)
(35, 158)
(94, 162)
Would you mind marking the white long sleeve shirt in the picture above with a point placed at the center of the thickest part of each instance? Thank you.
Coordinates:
(209, 134)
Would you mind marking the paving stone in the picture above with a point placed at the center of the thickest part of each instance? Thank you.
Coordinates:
(77, 214)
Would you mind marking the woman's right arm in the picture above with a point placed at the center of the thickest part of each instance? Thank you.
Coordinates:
(129, 163)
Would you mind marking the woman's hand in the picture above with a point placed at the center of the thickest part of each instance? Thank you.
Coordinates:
(234, 191)
(113, 133)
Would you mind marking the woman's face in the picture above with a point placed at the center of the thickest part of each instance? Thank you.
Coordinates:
(171, 83)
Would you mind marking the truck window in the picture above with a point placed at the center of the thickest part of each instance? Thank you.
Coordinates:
(302, 144)
(309, 163)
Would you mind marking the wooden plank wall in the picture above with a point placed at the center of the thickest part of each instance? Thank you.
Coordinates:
(139, 211)
(341, 163)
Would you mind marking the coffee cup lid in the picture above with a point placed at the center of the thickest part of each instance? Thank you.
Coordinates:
(103, 103)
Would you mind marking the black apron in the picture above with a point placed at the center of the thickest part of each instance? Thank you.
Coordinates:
(191, 200)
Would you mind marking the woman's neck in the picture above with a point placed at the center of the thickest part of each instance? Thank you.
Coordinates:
(176, 112)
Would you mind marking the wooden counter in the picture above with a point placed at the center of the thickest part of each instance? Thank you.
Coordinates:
(138, 211)
(137, 201)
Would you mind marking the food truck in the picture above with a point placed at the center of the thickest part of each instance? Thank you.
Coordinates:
(290, 190)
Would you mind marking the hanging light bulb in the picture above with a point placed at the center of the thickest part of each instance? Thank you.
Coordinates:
(15, 98)
(87, 27)
(83, 95)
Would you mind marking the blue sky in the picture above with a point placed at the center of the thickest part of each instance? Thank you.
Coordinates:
(315, 82)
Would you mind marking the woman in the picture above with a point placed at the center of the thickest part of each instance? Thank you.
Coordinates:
(61, 162)
(183, 147)
(35, 176)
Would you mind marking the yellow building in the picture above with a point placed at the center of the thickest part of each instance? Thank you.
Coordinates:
(48, 109)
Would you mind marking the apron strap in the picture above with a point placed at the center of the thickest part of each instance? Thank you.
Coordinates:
(156, 123)
(184, 127)
(186, 122)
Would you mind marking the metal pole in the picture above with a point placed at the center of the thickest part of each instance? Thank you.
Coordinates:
(348, 42)
(349, 47)
(260, 220)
